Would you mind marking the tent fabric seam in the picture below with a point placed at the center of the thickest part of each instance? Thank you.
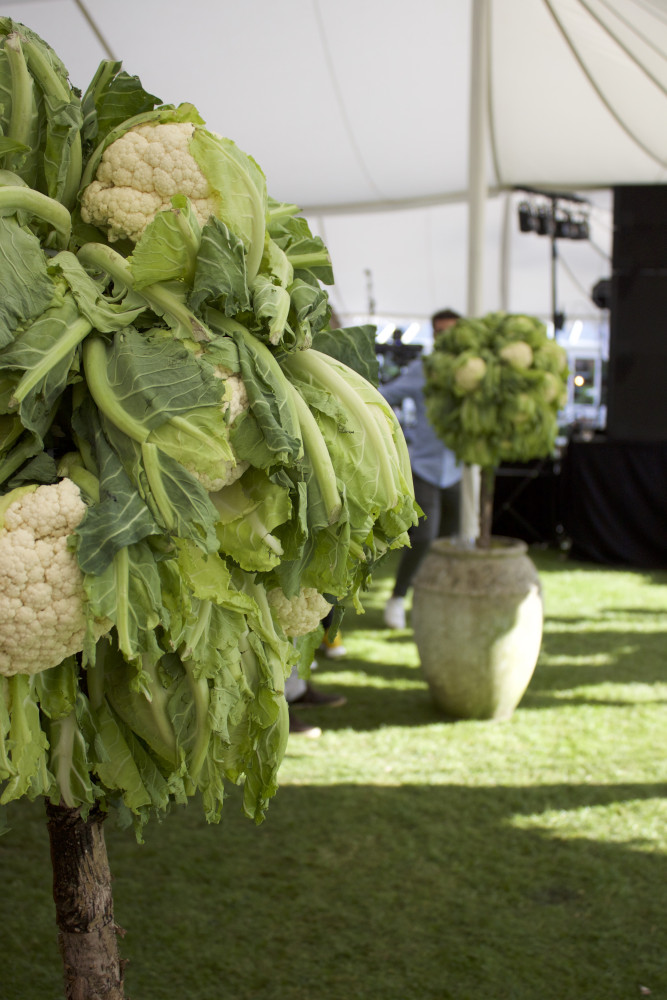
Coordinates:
(589, 76)
(631, 27)
(628, 52)
(340, 102)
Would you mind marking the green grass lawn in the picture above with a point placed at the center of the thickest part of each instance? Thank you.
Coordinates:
(406, 857)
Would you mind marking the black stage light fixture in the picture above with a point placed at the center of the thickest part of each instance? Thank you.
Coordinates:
(552, 218)
(527, 218)
(601, 293)
(545, 221)
(581, 229)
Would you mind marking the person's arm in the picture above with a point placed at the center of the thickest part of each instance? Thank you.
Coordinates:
(409, 383)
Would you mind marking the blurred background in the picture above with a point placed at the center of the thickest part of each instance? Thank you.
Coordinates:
(471, 154)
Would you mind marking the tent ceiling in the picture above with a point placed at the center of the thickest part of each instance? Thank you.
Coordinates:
(360, 106)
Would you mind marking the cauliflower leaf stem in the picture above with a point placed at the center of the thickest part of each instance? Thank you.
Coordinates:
(311, 363)
(158, 297)
(21, 121)
(317, 451)
(54, 87)
(121, 566)
(73, 335)
(150, 455)
(201, 699)
(95, 367)
(15, 198)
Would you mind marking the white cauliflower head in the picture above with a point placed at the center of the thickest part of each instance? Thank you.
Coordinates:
(42, 616)
(553, 388)
(236, 396)
(519, 354)
(470, 374)
(300, 614)
(139, 174)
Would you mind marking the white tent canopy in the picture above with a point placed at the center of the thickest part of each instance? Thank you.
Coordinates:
(358, 110)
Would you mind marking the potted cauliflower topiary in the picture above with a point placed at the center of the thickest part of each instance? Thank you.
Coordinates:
(494, 386)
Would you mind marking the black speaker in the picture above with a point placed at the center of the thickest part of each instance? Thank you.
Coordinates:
(637, 375)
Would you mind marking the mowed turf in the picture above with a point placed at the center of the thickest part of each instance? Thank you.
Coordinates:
(406, 857)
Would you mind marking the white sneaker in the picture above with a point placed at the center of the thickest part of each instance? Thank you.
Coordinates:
(394, 612)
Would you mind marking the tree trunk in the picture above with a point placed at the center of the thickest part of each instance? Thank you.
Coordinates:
(486, 487)
(88, 933)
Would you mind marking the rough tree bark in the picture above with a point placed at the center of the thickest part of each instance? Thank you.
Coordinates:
(87, 931)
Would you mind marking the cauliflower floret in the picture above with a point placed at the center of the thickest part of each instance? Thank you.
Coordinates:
(551, 355)
(301, 614)
(519, 354)
(137, 177)
(552, 388)
(470, 374)
(213, 484)
(236, 396)
(42, 617)
(231, 469)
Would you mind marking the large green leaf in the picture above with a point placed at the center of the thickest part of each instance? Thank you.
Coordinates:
(25, 287)
(121, 517)
(248, 511)
(354, 346)
(220, 273)
(112, 96)
(46, 354)
(240, 186)
(168, 247)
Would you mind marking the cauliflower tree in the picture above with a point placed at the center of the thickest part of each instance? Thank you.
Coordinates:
(206, 459)
(494, 386)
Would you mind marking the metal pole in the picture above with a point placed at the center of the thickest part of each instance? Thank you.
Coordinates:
(477, 194)
(477, 182)
(554, 269)
(506, 253)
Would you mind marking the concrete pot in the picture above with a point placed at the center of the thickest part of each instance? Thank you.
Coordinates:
(477, 619)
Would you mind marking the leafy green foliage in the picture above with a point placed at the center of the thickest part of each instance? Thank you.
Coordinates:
(41, 114)
(219, 455)
(494, 387)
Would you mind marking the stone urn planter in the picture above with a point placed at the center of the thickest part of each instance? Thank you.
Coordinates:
(477, 619)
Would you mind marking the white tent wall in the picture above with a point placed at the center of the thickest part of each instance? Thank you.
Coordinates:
(358, 111)
(411, 262)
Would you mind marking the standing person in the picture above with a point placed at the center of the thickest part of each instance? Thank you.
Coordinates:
(436, 474)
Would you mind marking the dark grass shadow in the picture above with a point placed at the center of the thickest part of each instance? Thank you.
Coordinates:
(386, 893)
(362, 892)
(370, 708)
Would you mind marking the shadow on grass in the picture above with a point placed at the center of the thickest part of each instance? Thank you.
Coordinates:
(370, 708)
(366, 893)
(631, 658)
(408, 893)
(550, 560)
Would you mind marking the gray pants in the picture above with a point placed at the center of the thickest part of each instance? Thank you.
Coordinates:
(441, 507)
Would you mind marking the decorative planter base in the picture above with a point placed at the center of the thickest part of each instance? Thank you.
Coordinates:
(477, 619)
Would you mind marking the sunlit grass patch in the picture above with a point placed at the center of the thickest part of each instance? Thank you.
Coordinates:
(406, 857)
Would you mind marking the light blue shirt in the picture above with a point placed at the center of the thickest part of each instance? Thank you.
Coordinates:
(429, 457)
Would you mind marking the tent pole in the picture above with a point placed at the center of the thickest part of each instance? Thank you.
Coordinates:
(505, 253)
(477, 194)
